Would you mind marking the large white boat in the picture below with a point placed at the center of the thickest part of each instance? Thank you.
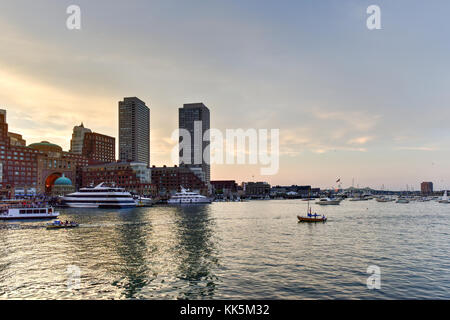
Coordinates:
(100, 196)
(13, 210)
(328, 201)
(187, 197)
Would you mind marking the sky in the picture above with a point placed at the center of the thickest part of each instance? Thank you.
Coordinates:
(370, 107)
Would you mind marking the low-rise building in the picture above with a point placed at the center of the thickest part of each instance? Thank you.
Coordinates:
(256, 188)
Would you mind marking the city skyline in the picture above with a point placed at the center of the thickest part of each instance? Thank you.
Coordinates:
(347, 100)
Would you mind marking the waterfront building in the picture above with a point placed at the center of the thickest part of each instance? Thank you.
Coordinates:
(169, 180)
(195, 118)
(53, 163)
(256, 188)
(99, 148)
(426, 188)
(18, 164)
(134, 177)
(76, 144)
(224, 187)
(134, 130)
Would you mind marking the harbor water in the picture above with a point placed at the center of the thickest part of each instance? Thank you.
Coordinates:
(231, 250)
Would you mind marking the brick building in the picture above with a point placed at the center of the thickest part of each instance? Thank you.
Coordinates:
(221, 186)
(256, 188)
(133, 176)
(169, 180)
(99, 148)
(426, 188)
(18, 164)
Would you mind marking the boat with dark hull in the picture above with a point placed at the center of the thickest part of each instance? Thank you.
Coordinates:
(316, 219)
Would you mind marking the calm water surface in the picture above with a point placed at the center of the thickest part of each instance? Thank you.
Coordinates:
(248, 250)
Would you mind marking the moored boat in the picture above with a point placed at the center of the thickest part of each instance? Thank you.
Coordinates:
(13, 210)
(328, 201)
(100, 196)
(187, 197)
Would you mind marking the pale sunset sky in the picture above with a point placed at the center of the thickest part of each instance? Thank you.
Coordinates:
(350, 103)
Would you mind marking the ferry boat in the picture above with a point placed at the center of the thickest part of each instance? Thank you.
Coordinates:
(100, 196)
(17, 209)
(187, 197)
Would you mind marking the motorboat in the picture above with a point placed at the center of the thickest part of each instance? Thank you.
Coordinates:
(402, 200)
(385, 199)
(143, 202)
(328, 201)
(62, 225)
(100, 196)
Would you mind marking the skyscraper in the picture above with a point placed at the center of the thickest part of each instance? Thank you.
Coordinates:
(134, 130)
(194, 117)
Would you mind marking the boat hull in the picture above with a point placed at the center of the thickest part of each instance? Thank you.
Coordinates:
(29, 217)
(328, 203)
(305, 219)
(99, 205)
(62, 227)
(175, 202)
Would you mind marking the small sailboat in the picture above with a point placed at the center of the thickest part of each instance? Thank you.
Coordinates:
(444, 198)
(311, 217)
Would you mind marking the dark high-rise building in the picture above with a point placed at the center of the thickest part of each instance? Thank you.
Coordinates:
(426, 188)
(134, 130)
(194, 117)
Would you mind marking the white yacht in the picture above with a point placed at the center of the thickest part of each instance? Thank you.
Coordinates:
(328, 201)
(187, 197)
(100, 196)
(444, 198)
(18, 210)
(143, 201)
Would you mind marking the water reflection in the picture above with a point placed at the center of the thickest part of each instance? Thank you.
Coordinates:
(196, 251)
(131, 247)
